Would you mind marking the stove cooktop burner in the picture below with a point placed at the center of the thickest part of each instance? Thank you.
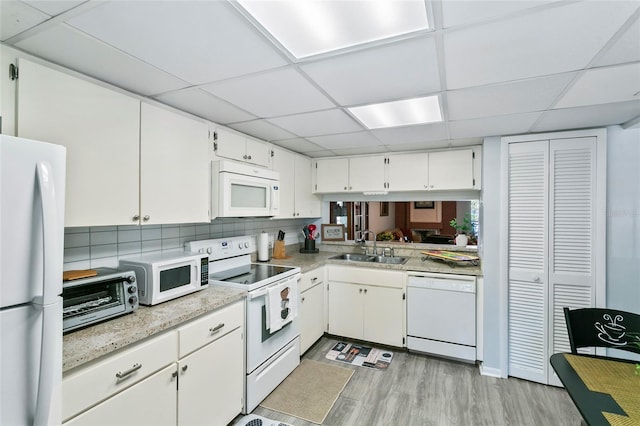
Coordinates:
(259, 276)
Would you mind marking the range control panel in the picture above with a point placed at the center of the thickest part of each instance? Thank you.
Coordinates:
(222, 248)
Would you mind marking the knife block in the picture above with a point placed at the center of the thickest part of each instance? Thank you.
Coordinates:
(279, 252)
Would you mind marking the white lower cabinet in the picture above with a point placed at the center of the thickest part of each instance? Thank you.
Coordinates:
(192, 375)
(367, 304)
(311, 311)
(150, 402)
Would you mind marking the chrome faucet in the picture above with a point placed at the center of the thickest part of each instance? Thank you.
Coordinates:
(363, 239)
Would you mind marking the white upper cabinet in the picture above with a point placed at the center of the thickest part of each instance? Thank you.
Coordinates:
(367, 173)
(174, 176)
(296, 197)
(237, 146)
(332, 175)
(451, 169)
(100, 128)
(408, 172)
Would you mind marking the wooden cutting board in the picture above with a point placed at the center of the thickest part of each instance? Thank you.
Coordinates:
(78, 273)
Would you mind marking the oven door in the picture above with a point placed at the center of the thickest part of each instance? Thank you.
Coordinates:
(261, 343)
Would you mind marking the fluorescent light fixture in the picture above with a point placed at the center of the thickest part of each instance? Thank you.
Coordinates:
(399, 113)
(310, 27)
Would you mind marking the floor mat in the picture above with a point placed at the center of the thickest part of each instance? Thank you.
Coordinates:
(359, 355)
(254, 420)
(310, 391)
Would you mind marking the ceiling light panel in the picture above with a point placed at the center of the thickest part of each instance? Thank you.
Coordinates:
(311, 27)
(399, 113)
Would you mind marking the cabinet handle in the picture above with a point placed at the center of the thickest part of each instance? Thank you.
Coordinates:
(345, 188)
(536, 280)
(122, 375)
(314, 279)
(136, 217)
(249, 157)
(214, 330)
(184, 368)
(365, 291)
(146, 218)
(360, 291)
(174, 374)
(302, 300)
(244, 156)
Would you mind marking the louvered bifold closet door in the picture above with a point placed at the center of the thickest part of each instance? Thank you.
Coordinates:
(527, 258)
(572, 274)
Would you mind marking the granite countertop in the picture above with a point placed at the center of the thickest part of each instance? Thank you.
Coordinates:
(88, 344)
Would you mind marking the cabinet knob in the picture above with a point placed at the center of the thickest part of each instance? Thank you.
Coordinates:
(136, 217)
(244, 156)
(184, 368)
(302, 300)
(146, 218)
(345, 188)
(174, 374)
(249, 157)
(360, 291)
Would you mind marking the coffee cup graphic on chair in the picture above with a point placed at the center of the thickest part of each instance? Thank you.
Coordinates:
(612, 332)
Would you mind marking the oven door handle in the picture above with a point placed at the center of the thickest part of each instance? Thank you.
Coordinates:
(263, 292)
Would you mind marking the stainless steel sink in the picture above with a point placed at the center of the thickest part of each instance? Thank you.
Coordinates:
(354, 257)
(391, 260)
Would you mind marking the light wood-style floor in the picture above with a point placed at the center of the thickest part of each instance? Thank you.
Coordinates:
(429, 391)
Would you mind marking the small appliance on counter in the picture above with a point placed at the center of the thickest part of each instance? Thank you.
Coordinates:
(97, 295)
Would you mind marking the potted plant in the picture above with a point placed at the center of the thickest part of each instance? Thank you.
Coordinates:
(462, 229)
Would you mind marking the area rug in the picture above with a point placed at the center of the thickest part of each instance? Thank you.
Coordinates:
(255, 420)
(310, 391)
(362, 356)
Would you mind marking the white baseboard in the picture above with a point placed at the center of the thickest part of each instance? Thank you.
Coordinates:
(491, 372)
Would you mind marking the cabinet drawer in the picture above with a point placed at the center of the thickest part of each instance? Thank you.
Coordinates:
(89, 385)
(311, 278)
(368, 276)
(212, 326)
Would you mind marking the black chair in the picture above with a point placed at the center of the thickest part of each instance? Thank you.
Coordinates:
(604, 328)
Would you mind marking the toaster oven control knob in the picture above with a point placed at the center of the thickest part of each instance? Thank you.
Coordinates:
(246, 245)
(133, 289)
(130, 279)
(133, 300)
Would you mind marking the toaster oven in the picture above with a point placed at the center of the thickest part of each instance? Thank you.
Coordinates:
(108, 294)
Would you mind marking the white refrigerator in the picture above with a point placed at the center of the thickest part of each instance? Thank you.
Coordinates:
(32, 182)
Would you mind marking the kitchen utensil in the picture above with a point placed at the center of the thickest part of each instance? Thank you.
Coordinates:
(312, 229)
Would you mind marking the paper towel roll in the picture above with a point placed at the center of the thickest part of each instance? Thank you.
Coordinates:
(263, 247)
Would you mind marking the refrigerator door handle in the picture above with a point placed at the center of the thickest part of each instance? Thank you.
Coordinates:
(50, 241)
(50, 366)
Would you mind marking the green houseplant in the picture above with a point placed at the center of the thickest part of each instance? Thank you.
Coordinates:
(462, 229)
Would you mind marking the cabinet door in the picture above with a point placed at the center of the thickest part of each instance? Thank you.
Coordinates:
(174, 174)
(100, 129)
(451, 169)
(311, 316)
(367, 173)
(332, 175)
(345, 310)
(306, 203)
(258, 153)
(150, 402)
(230, 145)
(408, 172)
(283, 162)
(211, 382)
(383, 313)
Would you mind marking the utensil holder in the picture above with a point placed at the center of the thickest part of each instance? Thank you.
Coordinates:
(309, 246)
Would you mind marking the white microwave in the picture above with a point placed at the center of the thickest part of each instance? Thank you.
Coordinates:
(241, 190)
(165, 276)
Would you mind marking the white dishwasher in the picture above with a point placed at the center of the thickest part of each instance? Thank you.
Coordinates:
(441, 314)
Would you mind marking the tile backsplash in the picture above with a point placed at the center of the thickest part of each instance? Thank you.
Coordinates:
(103, 246)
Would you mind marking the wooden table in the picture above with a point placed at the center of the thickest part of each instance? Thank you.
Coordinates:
(606, 391)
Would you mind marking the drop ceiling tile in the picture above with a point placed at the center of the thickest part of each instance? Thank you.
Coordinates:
(198, 41)
(522, 96)
(363, 150)
(318, 123)
(65, 45)
(462, 12)
(493, 126)
(625, 49)
(588, 116)
(412, 134)
(16, 17)
(346, 140)
(548, 41)
(271, 94)
(603, 85)
(400, 70)
(54, 7)
(299, 145)
(205, 105)
(262, 129)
